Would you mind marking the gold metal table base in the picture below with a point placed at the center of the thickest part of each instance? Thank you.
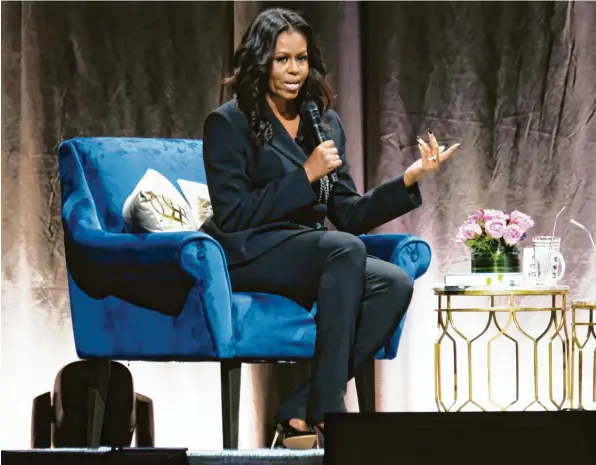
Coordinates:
(554, 334)
(579, 348)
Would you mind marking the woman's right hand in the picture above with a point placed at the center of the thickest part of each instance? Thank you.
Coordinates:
(324, 159)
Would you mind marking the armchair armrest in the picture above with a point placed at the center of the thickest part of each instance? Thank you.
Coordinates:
(409, 252)
(147, 254)
(161, 271)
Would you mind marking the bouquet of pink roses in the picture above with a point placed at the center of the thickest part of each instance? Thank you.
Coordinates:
(487, 229)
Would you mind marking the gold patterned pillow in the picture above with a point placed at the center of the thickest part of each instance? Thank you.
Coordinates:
(197, 195)
(155, 205)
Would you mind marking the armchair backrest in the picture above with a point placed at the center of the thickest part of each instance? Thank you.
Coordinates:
(99, 173)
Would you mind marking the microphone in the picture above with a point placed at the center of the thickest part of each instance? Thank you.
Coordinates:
(311, 113)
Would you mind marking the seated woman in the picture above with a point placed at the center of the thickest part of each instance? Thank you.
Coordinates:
(271, 186)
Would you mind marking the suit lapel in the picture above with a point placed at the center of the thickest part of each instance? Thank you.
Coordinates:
(282, 142)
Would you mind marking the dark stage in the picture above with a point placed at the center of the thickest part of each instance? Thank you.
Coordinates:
(470, 438)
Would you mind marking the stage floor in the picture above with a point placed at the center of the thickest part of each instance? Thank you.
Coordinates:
(155, 456)
(260, 456)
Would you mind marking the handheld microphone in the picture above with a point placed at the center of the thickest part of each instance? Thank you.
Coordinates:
(311, 113)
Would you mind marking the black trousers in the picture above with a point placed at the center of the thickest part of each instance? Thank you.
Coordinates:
(361, 301)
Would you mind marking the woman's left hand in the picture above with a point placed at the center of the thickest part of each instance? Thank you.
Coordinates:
(432, 157)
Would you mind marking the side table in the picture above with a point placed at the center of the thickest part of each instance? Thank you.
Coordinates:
(555, 332)
(579, 344)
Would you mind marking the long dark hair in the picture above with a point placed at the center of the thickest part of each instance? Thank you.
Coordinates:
(252, 66)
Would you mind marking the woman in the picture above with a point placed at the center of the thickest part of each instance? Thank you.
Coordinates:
(271, 189)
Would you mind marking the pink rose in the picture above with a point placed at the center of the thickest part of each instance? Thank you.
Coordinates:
(513, 234)
(494, 215)
(472, 219)
(469, 231)
(495, 228)
(522, 220)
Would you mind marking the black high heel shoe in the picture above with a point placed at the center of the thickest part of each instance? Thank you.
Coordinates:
(292, 438)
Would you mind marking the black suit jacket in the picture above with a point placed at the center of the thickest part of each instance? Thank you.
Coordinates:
(261, 195)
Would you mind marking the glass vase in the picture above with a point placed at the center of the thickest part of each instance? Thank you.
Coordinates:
(498, 259)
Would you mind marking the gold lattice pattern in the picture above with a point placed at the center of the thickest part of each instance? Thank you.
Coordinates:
(555, 334)
(580, 354)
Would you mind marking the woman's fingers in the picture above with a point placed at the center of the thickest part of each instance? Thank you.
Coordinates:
(447, 153)
(433, 143)
(432, 153)
(425, 150)
(428, 163)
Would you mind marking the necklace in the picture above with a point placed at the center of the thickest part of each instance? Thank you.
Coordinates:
(324, 189)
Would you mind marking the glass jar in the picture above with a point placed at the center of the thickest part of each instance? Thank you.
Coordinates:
(498, 259)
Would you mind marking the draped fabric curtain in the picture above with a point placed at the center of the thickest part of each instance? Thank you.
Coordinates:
(514, 82)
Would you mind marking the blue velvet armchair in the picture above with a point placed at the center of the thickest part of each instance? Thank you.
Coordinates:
(167, 296)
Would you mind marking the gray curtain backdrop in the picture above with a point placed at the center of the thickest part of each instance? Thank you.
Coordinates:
(514, 82)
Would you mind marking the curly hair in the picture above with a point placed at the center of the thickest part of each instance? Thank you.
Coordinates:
(252, 64)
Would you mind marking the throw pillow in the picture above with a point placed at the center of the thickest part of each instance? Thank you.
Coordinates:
(197, 195)
(155, 205)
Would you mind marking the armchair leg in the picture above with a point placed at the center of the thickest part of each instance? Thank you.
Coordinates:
(365, 386)
(230, 402)
(97, 396)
